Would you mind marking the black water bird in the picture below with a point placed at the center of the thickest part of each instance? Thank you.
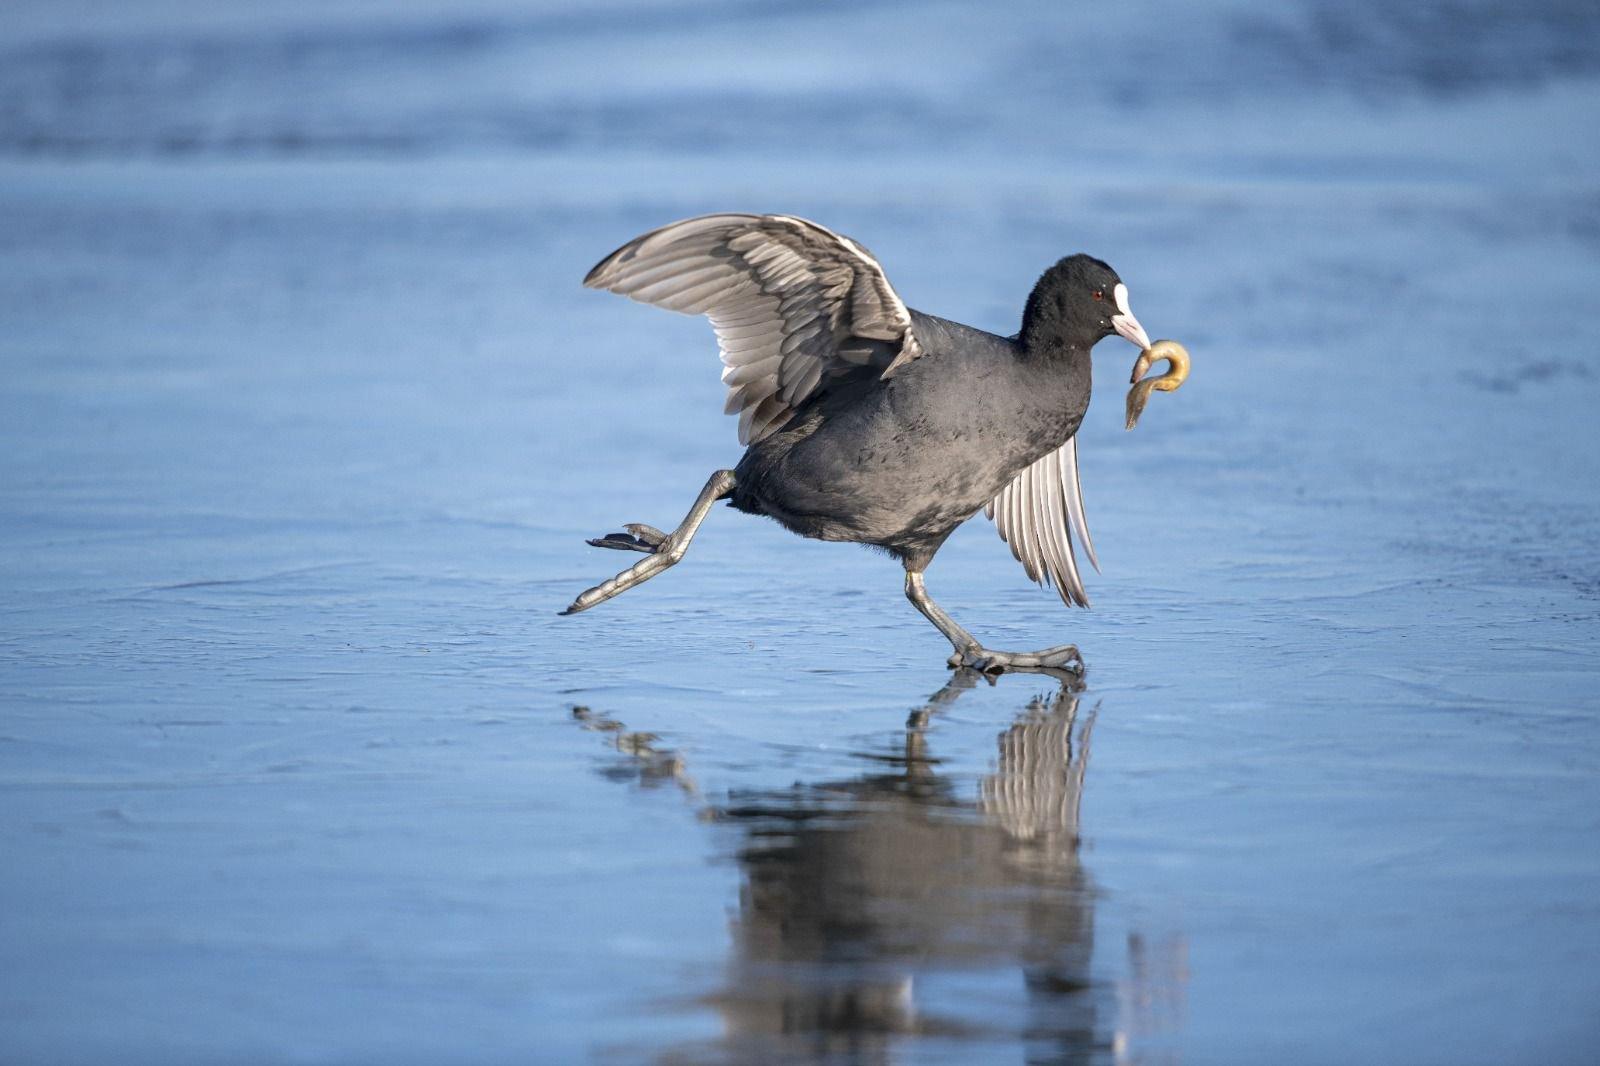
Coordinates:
(867, 421)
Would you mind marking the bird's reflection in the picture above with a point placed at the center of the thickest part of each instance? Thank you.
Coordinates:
(878, 908)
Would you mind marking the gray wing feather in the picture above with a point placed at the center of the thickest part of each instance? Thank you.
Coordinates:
(1040, 514)
(792, 304)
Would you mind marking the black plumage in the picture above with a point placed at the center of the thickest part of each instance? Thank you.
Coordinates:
(869, 422)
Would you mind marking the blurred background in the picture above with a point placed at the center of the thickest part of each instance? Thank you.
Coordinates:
(304, 417)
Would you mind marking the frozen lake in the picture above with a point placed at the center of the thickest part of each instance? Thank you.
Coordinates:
(304, 418)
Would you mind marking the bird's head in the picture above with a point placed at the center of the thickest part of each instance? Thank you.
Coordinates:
(1077, 303)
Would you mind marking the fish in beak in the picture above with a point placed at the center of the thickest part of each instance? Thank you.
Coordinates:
(1177, 357)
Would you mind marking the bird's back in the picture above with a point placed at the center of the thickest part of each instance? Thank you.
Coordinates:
(901, 462)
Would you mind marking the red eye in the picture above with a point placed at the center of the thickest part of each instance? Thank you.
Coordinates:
(1098, 294)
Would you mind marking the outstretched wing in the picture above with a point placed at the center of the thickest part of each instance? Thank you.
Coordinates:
(792, 303)
(1039, 514)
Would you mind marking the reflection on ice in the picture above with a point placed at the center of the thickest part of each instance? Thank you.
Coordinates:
(650, 764)
(865, 901)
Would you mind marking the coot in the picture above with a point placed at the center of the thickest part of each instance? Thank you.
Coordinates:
(867, 421)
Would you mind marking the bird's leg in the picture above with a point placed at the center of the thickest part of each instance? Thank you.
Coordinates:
(664, 549)
(969, 653)
(917, 593)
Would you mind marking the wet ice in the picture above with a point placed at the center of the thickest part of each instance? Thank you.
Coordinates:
(305, 417)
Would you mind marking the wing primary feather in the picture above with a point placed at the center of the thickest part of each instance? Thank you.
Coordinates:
(1050, 549)
(1019, 534)
(804, 380)
(1002, 520)
(1069, 583)
(694, 299)
(717, 277)
(744, 349)
(638, 273)
(1072, 488)
(753, 307)
(1047, 517)
(1041, 528)
(747, 414)
(746, 372)
(770, 415)
(1026, 552)
(1033, 514)
(763, 328)
(631, 270)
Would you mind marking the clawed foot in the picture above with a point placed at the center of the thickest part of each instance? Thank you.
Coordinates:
(1064, 659)
(661, 550)
(660, 547)
(639, 538)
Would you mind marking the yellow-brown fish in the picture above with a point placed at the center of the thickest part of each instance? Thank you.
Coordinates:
(1177, 357)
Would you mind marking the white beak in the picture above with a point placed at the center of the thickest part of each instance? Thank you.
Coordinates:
(1123, 321)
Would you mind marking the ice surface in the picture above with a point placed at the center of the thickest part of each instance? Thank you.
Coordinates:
(304, 418)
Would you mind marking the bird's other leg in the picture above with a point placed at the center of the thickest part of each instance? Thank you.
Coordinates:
(664, 549)
(972, 655)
